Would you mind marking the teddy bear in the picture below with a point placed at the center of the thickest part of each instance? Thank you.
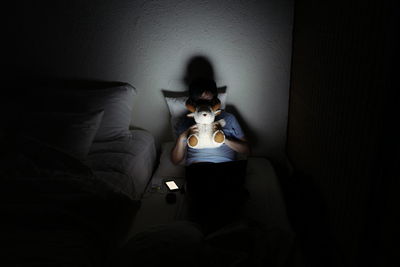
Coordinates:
(209, 133)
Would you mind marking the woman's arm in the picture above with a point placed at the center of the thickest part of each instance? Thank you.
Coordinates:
(239, 145)
(179, 150)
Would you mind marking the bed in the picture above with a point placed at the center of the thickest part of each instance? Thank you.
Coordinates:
(126, 163)
(72, 171)
(89, 120)
(263, 238)
(161, 232)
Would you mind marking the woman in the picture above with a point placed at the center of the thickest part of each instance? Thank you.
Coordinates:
(214, 176)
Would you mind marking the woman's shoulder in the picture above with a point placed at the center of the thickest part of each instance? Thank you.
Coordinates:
(225, 115)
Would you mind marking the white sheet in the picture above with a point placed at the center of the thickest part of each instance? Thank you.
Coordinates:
(127, 162)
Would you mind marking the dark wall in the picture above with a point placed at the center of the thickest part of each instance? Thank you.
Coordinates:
(341, 130)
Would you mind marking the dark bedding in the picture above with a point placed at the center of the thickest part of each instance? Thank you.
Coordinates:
(55, 211)
(216, 192)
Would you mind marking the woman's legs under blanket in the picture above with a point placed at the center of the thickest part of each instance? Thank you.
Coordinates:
(215, 192)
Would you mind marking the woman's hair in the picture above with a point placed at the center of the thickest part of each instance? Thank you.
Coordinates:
(198, 87)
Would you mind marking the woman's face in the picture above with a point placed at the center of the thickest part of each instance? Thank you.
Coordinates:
(206, 96)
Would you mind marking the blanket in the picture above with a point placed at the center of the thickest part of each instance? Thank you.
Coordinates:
(55, 211)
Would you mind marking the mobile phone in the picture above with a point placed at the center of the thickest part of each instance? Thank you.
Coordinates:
(171, 185)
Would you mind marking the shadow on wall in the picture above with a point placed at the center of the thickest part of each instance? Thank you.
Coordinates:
(198, 67)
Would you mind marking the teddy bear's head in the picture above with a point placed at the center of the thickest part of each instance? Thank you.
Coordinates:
(204, 113)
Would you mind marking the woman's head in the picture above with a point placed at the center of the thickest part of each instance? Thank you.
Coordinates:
(203, 91)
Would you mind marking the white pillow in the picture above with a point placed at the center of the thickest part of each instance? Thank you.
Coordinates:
(117, 103)
(176, 103)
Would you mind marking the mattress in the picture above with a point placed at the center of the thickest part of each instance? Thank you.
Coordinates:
(165, 168)
(266, 207)
(125, 163)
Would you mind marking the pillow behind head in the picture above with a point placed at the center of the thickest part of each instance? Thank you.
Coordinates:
(72, 133)
(176, 102)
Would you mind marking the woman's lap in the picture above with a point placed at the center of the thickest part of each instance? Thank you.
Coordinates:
(216, 190)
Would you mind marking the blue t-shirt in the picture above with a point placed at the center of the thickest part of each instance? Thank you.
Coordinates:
(222, 153)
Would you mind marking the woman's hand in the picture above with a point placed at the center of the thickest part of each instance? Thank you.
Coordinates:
(217, 126)
(179, 150)
(194, 129)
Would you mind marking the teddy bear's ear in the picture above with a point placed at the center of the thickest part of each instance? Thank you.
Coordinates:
(216, 105)
(190, 106)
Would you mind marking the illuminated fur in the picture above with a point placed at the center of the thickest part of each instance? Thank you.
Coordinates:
(209, 134)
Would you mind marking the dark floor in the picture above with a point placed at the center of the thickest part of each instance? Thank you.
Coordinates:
(314, 246)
